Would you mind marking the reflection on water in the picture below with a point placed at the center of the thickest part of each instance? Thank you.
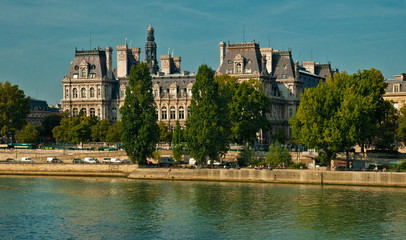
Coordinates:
(113, 208)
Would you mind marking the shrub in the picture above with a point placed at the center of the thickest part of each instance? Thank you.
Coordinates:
(299, 166)
(245, 156)
(278, 156)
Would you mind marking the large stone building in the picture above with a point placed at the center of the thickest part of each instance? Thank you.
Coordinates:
(282, 79)
(94, 87)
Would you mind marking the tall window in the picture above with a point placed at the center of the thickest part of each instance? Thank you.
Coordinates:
(83, 93)
(92, 112)
(396, 88)
(74, 93)
(181, 113)
(164, 113)
(238, 68)
(75, 112)
(173, 113)
(84, 73)
(114, 113)
(92, 92)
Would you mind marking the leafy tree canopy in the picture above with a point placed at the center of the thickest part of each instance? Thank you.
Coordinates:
(207, 126)
(140, 132)
(28, 134)
(14, 108)
(341, 112)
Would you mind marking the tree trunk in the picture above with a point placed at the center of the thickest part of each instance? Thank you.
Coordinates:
(347, 158)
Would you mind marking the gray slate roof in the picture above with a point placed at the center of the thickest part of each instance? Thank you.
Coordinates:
(96, 59)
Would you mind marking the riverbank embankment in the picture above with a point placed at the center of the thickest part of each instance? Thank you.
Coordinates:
(51, 169)
(390, 179)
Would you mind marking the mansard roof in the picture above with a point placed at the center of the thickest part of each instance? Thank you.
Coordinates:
(323, 70)
(282, 63)
(95, 60)
(248, 52)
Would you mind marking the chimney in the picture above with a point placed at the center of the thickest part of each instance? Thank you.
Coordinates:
(109, 63)
(222, 52)
(176, 61)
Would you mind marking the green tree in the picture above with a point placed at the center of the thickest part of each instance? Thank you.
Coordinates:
(114, 133)
(49, 123)
(178, 147)
(278, 156)
(62, 133)
(248, 109)
(386, 137)
(340, 113)
(29, 134)
(165, 135)
(140, 132)
(81, 129)
(14, 108)
(100, 131)
(207, 126)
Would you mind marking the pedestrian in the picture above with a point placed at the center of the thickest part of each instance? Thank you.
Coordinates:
(376, 169)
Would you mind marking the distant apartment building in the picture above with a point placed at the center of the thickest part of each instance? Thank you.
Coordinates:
(94, 87)
(39, 109)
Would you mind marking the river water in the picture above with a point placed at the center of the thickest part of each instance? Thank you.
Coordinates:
(117, 208)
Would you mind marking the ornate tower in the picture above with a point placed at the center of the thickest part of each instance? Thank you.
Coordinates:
(150, 51)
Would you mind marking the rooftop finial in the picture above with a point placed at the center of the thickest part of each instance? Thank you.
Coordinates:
(126, 41)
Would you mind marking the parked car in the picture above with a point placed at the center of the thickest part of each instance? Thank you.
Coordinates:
(115, 160)
(77, 160)
(56, 161)
(90, 160)
(106, 160)
(26, 160)
(10, 160)
(126, 161)
(50, 159)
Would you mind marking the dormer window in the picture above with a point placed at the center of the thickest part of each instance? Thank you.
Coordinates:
(75, 76)
(92, 75)
(238, 68)
(83, 72)
(396, 88)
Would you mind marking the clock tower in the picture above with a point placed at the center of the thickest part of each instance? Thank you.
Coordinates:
(150, 52)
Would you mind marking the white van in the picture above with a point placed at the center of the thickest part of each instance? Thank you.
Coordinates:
(26, 160)
(89, 160)
(49, 159)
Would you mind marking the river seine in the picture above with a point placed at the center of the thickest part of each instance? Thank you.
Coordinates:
(118, 208)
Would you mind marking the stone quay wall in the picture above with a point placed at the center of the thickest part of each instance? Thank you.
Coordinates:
(393, 179)
(61, 169)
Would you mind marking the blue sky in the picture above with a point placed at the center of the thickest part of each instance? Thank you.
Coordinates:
(38, 38)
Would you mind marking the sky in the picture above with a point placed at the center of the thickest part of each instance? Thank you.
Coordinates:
(38, 38)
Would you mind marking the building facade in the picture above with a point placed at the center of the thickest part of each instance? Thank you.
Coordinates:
(94, 87)
(396, 90)
(282, 80)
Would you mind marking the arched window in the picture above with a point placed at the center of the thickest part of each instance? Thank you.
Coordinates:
(75, 112)
(74, 93)
(67, 93)
(92, 92)
(92, 112)
(181, 113)
(173, 113)
(84, 73)
(238, 68)
(164, 113)
(83, 93)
